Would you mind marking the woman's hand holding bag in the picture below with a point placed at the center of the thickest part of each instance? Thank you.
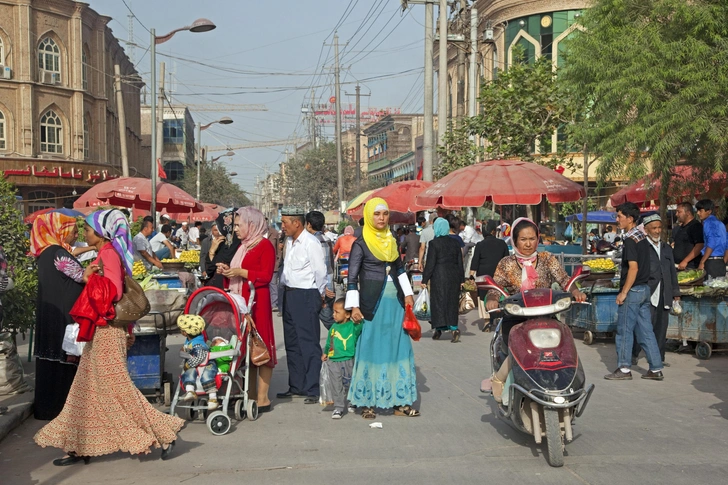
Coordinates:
(411, 325)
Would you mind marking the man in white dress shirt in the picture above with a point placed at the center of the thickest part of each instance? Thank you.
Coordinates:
(304, 283)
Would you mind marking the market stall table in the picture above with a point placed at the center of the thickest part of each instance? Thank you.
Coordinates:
(704, 319)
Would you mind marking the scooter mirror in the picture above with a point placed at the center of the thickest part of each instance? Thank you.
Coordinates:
(580, 273)
(488, 283)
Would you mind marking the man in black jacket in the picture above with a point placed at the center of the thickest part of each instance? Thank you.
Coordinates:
(662, 283)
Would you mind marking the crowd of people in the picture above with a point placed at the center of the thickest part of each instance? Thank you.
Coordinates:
(94, 408)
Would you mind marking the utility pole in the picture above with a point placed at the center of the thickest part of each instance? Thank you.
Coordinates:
(337, 95)
(358, 134)
(160, 120)
(442, 76)
(312, 119)
(473, 81)
(122, 121)
(461, 65)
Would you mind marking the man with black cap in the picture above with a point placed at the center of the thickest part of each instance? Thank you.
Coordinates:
(662, 282)
(304, 283)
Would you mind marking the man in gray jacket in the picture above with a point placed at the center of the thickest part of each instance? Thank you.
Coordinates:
(662, 283)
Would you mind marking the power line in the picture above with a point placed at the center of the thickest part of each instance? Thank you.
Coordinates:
(134, 15)
(385, 37)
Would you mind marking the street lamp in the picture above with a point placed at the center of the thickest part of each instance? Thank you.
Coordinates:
(228, 154)
(225, 120)
(199, 25)
(233, 174)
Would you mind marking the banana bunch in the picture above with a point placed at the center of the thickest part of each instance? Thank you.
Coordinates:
(602, 265)
(168, 260)
(190, 257)
(138, 269)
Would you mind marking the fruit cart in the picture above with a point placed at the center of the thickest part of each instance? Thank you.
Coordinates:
(599, 318)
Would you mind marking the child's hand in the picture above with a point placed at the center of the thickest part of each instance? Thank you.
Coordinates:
(324, 358)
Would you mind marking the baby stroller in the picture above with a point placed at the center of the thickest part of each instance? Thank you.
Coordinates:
(225, 315)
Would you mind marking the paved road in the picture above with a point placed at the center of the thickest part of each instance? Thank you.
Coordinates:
(643, 432)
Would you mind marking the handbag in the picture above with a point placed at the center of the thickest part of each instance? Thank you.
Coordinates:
(258, 351)
(466, 303)
(133, 304)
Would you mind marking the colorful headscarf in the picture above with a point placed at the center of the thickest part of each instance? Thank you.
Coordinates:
(254, 221)
(528, 274)
(113, 225)
(441, 227)
(348, 231)
(50, 229)
(380, 242)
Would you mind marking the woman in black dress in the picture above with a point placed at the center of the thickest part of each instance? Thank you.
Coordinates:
(222, 248)
(444, 269)
(60, 281)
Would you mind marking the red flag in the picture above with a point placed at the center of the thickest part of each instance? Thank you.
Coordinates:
(419, 173)
(161, 174)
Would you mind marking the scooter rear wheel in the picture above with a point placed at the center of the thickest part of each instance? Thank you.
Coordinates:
(554, 439)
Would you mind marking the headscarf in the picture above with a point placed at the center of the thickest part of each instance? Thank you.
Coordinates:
(257, 228)
(379, 241)
(51, 229)
(348, 231)
(226, 229)
(441, 227)
(112, 225)
(528, 274)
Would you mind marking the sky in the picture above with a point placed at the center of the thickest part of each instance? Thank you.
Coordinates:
(272, 53)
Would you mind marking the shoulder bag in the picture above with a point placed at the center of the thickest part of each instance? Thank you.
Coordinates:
(133, 304)
(258, 351)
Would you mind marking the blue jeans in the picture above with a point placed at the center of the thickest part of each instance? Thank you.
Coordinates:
(207, 377)
(163, 253)
(634, 319)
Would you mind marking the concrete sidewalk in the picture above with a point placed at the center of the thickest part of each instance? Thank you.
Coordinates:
(20, 406)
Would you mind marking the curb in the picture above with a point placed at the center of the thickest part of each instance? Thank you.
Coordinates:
(14, 418)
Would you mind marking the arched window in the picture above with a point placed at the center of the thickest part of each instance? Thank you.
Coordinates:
(3, 143)
(84, 69)
(50, 133)
(49, 56)
(174, 170)
(40, 199)
(86, 138)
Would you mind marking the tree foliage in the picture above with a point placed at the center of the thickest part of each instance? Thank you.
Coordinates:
(656, 75)
(521, 106)
(311, 179)
(18, 303)
(216, 186)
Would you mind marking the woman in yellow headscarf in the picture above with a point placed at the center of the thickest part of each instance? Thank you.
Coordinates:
(383, 375)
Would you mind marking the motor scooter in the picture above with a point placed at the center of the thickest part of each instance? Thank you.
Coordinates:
(546, 388)
(412, 268)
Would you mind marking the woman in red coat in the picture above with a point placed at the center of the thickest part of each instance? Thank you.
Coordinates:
(253, 263)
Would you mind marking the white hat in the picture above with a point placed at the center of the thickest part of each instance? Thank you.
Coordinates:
(184, 223)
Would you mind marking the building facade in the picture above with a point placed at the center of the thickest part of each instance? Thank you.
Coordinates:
(59, 123)
(178, 134)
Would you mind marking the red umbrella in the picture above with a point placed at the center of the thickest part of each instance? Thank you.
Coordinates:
(209, 213)
(683, 184)
(137, 193)
(400, 197)
(505, 182)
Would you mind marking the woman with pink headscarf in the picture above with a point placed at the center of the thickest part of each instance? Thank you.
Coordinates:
(254, 262)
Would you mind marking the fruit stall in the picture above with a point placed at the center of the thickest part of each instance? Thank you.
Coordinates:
(598, 319)
(703, 319)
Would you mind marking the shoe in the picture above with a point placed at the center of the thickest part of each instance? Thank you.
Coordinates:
(71, 459)
(288, 394)
(654, 376)
(189, 396)
(264, 409)
(455, 337)
(337, 414)
(618, 375)
(665, 364)
(311, 400)
(352, 408)
(212, 404)
(635, 360)
(683, 348)
(275, 309)
(436, 335)
(167, 451)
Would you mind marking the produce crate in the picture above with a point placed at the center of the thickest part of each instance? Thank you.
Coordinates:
(703, 320)
(598, 319)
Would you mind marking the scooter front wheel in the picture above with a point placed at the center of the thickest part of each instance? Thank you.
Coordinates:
(554, 439)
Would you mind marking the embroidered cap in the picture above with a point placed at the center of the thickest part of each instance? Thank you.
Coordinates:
(651, 218)
(191, 324)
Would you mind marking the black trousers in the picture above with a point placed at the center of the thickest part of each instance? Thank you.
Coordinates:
(715, 267)
(302, 338)
(660, 319)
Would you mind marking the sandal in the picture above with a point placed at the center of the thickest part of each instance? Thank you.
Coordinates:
(408, 411)
(368, 413)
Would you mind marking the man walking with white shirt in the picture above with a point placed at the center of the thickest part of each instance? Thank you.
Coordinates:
(304, 285)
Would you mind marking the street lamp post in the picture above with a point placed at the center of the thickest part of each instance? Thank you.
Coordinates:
(199, 25)
(228, 154)
(200, 128)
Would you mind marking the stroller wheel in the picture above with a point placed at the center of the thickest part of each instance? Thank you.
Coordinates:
(202, 413)
(251, 410)
(188, 414)
(218, 423)
(238, 408)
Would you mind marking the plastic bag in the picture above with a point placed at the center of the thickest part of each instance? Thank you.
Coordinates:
(326, 388)
(466, 303)
(422, 305)
(676, 307)
(411, 325)
(70, 345)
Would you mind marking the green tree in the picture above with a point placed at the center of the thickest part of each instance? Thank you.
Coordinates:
(656, 75)
(311, 179)
(18, 303)
(216, 186)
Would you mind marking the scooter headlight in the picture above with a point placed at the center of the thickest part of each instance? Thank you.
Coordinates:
(513, 309)
(545, 338)
(563, 304)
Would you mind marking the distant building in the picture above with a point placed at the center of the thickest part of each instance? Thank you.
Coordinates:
(58, 115)
(178, 150)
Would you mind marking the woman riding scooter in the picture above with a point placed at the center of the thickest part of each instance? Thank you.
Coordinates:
(524, 270)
